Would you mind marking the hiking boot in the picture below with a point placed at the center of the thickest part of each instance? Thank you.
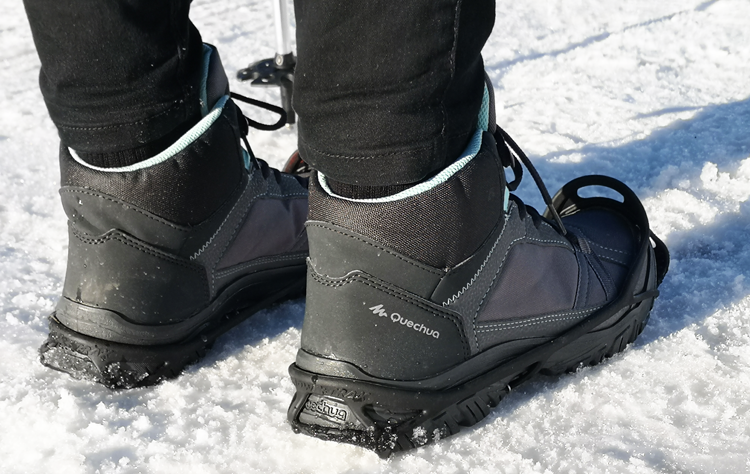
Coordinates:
(167, 254)
(425, 308)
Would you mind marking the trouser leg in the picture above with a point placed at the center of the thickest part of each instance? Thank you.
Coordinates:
(388, 91)
(117, 75)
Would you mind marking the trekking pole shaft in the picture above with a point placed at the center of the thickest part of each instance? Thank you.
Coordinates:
(281, 18)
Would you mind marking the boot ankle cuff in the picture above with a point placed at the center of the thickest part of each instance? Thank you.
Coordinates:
(125, 158)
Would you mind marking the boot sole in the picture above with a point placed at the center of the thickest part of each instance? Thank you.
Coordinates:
(389, 418)
(122, 366)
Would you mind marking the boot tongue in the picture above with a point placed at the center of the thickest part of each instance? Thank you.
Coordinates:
(214, 83)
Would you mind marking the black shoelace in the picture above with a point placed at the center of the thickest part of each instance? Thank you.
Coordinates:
(503, 139)
(263, 105)
(246, 122)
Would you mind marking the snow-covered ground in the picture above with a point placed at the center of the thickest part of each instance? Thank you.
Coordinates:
(656, 94)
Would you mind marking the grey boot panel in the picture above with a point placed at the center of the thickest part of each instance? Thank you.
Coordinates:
(275, 222)
(122, 274)
(381, 329)
(548, 272)
(282, 219)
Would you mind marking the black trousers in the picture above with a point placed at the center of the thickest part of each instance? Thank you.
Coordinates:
(387, 91)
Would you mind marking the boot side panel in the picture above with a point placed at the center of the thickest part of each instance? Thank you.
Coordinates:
(144, 285)
(382, 328)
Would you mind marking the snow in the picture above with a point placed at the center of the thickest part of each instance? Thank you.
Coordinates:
(656, 94)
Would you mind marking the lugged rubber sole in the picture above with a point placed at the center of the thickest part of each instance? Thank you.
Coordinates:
(122, 366)
(389, 419)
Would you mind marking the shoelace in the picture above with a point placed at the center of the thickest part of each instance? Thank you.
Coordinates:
(263, 105)
(245, 122)
(502, 138)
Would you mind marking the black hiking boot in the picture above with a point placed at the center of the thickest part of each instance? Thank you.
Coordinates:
(167, 254)
(425, 308)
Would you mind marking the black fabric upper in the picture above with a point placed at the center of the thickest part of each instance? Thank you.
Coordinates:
(186, 189)
(440, 227)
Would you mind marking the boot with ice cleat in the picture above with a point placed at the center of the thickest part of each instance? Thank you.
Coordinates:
(425, 308)
(167, 254)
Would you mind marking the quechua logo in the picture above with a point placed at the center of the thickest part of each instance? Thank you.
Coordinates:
(378, 310)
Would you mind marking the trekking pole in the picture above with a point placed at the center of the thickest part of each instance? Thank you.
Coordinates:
(279, 70)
